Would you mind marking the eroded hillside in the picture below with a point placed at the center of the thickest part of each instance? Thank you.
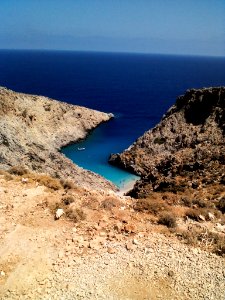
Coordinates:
(34, 128)
(186, 150)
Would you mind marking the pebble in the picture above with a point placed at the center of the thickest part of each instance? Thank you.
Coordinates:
(2, 274)
(135, 242)
(130, 246)
(111, 250)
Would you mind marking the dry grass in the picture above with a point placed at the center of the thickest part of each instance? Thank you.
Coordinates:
(221, 205)
(109, 203)
(48, 181)
(18, 170)
(167, 219)
(204, 239)
(8, 177)
(67, 184)
(153, 206)
(67, 200)
(3, 172)
(195, 214)
(75, 214)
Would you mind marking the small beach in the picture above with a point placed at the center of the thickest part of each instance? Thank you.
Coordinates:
(127, 185)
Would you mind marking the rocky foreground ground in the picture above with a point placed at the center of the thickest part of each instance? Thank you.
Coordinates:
(100, 248)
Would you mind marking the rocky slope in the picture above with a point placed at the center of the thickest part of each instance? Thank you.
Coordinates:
(100, 248)
(185, 150)
(34, 128)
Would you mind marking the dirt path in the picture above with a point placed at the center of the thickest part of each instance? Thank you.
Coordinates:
(41, 258)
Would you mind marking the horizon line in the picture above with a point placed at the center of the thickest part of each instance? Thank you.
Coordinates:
(110, 52)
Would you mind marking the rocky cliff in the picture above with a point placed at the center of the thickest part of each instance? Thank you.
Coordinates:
(185, 150)
(34, 128)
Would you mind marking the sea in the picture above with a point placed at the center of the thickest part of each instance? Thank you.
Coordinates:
(137, 88)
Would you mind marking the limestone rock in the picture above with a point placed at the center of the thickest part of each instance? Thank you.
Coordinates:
(34, 128)
(59, 213)
(189, 143)
(111, 250)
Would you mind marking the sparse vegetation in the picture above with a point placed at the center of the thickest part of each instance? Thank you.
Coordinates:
(195, 214)
(205, 239)
(186, 202)
(153, 206)
(159, 140)
(67, 184)
(67, 200)
(6, 175)
(167, 219)
(75, 214)
(221, 205)
(49, 182)
(109, 203)
(200, 203)
(18, 170)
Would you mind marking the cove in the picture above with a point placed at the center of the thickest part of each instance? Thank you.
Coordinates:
(93, 152)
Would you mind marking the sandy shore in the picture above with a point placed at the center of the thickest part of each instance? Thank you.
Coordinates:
(127, 186)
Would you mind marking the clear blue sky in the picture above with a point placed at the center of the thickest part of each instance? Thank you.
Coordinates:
(160, 26)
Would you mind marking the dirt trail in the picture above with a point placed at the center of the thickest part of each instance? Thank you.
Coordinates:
(41, 258)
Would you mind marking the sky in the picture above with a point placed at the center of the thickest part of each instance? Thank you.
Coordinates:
(192, 27)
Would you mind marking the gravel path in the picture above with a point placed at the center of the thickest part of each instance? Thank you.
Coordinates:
(160, 269)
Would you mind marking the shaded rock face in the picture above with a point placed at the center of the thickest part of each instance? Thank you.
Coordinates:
(34, 128)
(186, 149)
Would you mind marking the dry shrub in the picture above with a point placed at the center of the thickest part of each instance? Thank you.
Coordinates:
(195, 213)
(186, 202)
(189, 237)
(67, 184)
(201, 203)
(67, 200)
(91, 202)
(205, 239)
(18, 170)
(6, 175)
(221, 205)
(168, 219)
(109, 203)
(153, 206)
(49, 182)
(75, 214)
(3, 172)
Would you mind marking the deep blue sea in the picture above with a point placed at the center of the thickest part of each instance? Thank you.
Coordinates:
(137, 88)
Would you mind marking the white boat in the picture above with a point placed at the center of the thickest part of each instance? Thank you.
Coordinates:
(80, 149)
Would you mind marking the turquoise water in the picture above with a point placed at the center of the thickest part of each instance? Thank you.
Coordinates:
(93, 153)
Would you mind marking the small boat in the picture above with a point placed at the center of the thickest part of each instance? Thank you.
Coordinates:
(80, 149)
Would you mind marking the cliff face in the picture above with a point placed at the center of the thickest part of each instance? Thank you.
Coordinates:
(186, 149)
(34, 128)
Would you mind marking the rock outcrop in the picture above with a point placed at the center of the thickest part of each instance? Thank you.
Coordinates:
(34, 128)
(186, 149)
